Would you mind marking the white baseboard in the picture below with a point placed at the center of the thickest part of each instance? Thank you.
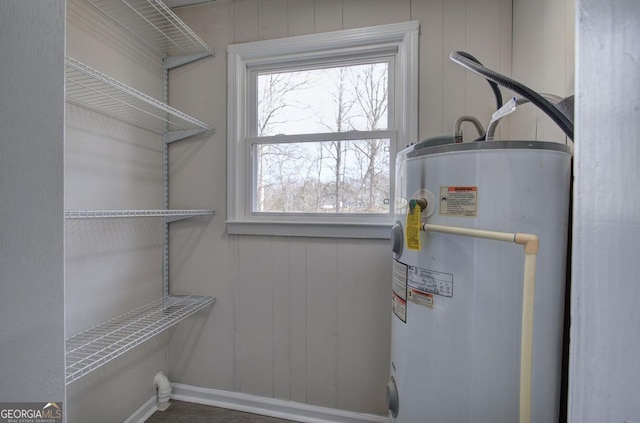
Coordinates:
(288, 410)
(144, 412)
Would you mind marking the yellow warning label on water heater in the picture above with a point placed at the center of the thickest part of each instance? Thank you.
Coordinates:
(413, 227)
(459, 201)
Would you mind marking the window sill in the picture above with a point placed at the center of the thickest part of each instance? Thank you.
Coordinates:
(366, 230)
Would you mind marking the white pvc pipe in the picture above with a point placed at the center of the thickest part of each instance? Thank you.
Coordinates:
(163, 386)
(526, 340)
(475, 233)
(531, 246)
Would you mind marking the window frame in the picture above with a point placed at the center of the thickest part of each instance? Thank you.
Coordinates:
(248, 59)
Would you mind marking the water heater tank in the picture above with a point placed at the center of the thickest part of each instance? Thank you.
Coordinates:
(457, 301)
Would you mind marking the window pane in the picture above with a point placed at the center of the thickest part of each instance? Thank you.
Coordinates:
(323, 177)
(335, 99)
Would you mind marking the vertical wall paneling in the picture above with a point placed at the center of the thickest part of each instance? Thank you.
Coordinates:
(570, 50)
(247, 12)
(300, 18)
(542, 43)
(527, 51)
(297, 252)
(230, 24)
(432, 57)
(506, 12)
(361, 13)
(322, 321)
(281, 312)
(327, 15)
(254, 316)
(348, 316)
(372, 272)
(454, 76)
(447, 90)
(304, 319)
(274, 19)
(554, 69)
(483, 41)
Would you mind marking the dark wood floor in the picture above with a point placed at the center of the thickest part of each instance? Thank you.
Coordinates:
(186, 412)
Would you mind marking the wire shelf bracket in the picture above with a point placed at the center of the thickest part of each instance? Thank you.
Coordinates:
(173, 136)
(95, 347)
(172, 62)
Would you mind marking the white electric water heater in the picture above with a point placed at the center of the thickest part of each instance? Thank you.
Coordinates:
(457, 353)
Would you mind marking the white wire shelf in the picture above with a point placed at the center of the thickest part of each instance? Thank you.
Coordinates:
(92, 348)
(153, 23)
(97, 91)
(169, 215)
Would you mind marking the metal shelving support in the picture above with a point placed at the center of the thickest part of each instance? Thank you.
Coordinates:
(169, 215)
(155, 25)
(100, 344)
(95, 90)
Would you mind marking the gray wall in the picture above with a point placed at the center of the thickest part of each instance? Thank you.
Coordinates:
(543, 60)
(112, 265)
(31, 200)
(304, 319)
(604, 359)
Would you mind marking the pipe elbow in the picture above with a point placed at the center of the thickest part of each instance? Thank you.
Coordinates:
(529, 241)
(457, 132)
(161, 382)
(163, 387)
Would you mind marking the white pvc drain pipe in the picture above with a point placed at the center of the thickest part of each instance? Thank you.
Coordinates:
(163, 387)
(531, 247)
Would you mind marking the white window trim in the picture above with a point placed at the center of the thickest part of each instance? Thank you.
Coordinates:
(401, 37)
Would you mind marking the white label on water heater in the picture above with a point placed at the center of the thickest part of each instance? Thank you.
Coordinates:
(459, 201)
(399, 286)
(421, 298)
(399, 307)
(430, 281)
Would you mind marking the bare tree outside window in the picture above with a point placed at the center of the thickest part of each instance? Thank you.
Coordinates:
(333, 175)
(342, 107)
(371, 95)
(276, 106)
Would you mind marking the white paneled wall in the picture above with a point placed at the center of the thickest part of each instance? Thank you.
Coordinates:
(543, 59)
(303, 319)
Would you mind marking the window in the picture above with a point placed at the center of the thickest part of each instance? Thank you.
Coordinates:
(313, 127)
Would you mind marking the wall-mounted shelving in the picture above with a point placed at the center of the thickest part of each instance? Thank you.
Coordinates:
(168, 215)
(153, 23)
(92, 348)
(97, 91)
(161, 31)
